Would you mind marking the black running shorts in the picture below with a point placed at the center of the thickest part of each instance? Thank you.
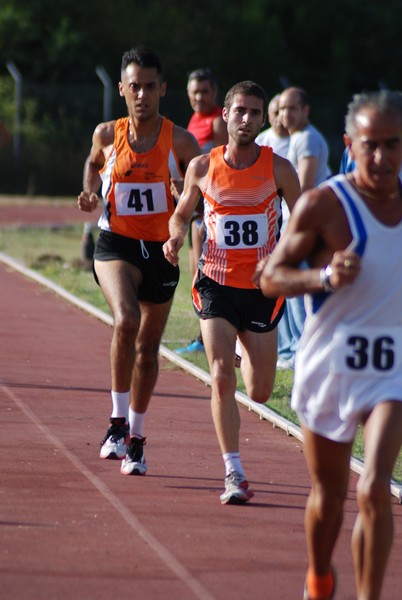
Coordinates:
(159, 277)
(243, 308)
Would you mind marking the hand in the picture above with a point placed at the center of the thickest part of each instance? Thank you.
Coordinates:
(171, 250)
(87, 201)
(258, 271)
(345, 266)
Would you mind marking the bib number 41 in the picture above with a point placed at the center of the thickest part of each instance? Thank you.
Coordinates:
(140, 199)
(137, 199)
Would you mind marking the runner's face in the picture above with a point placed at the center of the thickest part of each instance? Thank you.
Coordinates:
(377, 150)
(244, 118)
(142, 89)
(202, 96)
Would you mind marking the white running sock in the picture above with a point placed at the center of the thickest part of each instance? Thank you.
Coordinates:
(136, 421)
(120, 402)
(232, 463)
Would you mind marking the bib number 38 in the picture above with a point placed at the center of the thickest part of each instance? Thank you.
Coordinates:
(241, 232)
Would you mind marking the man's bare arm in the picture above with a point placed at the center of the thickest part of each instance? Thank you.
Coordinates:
(179, 221)
(307, 169)
(311, 236)
(186, 148)
(286, 180)
(102, 142)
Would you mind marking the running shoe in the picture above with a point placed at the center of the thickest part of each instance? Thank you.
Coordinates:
(194, 346)
(134, 462)
(237, 490)
(113, 445)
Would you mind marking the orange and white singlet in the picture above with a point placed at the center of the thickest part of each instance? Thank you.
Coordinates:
(242, 218)
(137, 201)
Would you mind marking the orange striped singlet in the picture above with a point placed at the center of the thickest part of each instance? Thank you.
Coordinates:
(242, 217)
(137, 201)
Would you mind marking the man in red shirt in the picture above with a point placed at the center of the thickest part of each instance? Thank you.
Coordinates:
(209, 129)
(206, 124)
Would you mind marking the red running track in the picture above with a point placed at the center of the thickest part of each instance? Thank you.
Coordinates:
(73, 528)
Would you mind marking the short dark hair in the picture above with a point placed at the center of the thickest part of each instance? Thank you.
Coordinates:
(203, 75)
(384, 101)
(143, 57)
(246, 88)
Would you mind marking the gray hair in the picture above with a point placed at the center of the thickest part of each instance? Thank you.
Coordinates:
(384, 102)
(203, 75)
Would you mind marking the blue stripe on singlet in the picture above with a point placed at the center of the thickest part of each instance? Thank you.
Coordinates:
(359, 234)
(358, 229)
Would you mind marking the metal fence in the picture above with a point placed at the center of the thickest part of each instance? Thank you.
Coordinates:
(51, 128)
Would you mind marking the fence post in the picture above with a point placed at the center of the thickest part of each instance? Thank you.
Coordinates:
(107, 93)
(16, 75)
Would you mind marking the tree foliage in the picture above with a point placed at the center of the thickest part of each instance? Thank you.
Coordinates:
(333, 49)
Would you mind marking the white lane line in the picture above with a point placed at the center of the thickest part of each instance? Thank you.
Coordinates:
(160, 550)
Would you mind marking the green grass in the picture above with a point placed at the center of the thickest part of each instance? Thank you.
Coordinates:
(56, 254)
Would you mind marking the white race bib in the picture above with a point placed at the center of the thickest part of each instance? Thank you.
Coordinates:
(241, 232)
(371, 351)
(135, 199)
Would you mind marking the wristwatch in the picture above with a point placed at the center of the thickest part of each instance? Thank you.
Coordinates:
(325, 274)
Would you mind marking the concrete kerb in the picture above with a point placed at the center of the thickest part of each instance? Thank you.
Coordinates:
(263, 411)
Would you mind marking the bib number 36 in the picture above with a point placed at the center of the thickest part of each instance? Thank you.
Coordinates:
(377, 353)
(369, 351)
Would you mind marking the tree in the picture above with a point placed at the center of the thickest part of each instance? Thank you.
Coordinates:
(332, 49)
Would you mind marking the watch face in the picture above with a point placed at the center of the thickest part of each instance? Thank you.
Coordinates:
(325, 274)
